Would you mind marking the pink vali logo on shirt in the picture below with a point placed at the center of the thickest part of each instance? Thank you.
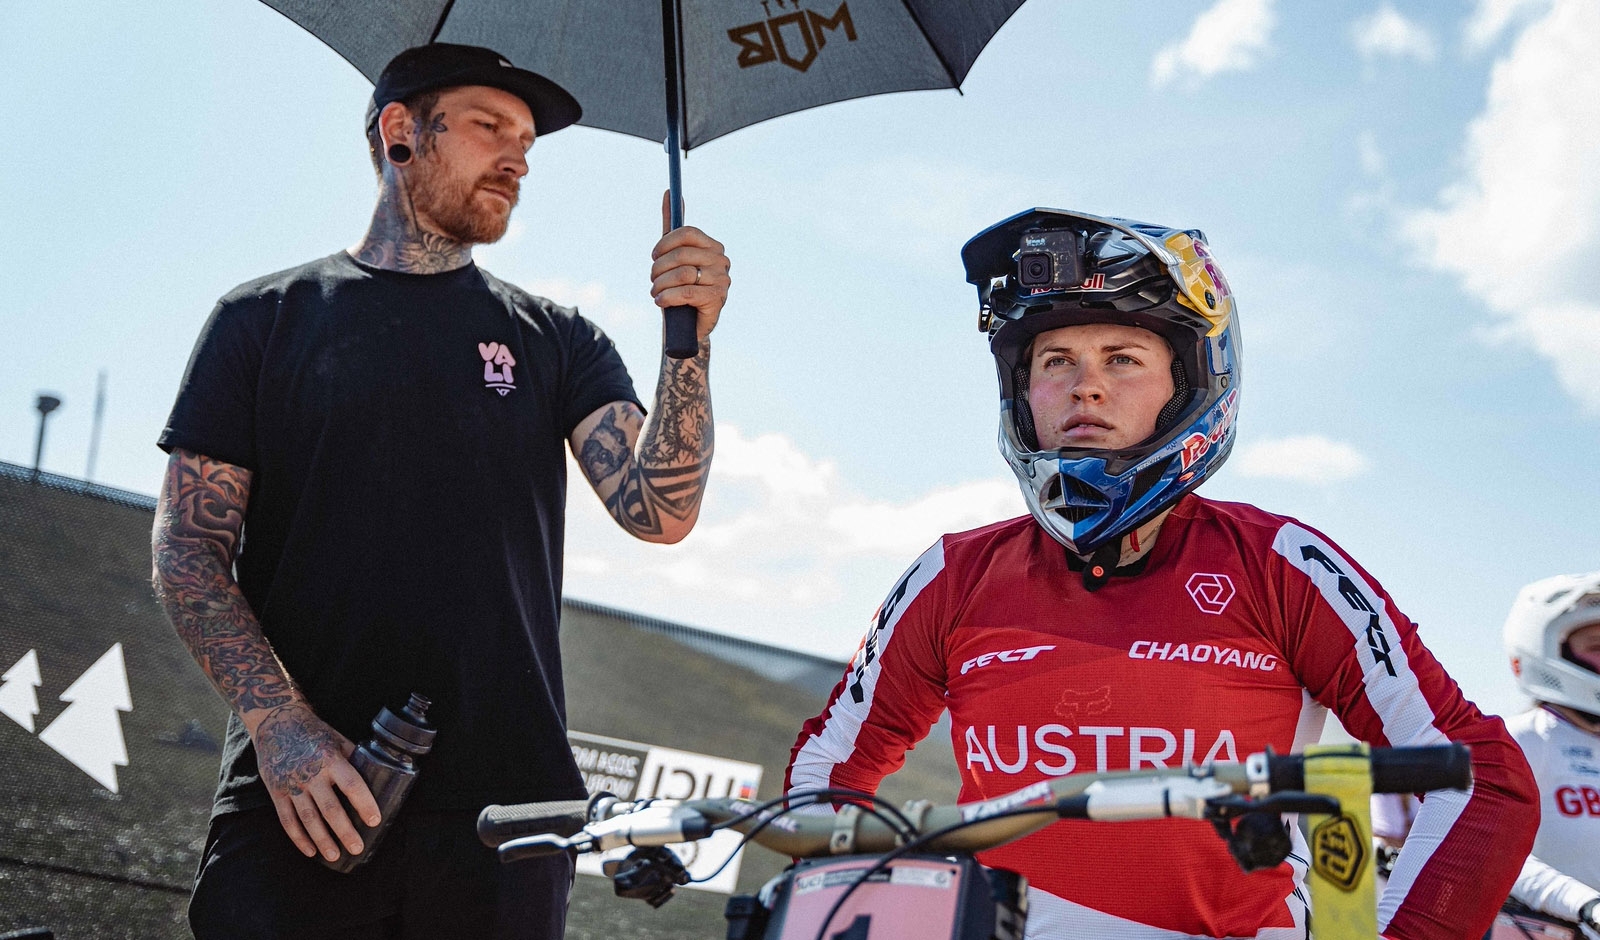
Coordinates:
(497, 365)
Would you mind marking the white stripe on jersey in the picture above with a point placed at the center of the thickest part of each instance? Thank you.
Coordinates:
(1434, 821)
(813, 765)
(1397, 699)
(1407, 718)
(1053, 918)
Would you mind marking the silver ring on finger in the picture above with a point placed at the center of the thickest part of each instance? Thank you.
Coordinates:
(697, 273)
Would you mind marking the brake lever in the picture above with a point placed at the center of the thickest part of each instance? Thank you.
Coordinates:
(1257, 837)
(514, 850)
(1285, 801)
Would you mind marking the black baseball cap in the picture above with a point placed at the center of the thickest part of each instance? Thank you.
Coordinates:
(448, 65)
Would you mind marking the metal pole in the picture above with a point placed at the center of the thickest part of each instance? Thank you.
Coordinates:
(680, 340)
(99, 415)
(45, 404)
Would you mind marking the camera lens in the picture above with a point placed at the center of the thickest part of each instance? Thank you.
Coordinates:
(1033, 269)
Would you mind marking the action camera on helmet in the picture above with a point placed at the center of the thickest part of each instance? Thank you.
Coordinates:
(1049, 260)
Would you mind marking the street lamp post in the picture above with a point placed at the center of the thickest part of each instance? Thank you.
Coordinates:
(45, 404)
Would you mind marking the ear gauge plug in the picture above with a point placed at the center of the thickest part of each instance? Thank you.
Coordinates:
(399, 154)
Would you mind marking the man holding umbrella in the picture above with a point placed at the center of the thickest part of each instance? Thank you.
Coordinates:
(386, 425)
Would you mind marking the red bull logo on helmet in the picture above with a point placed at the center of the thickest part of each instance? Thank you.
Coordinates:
(1196, 445)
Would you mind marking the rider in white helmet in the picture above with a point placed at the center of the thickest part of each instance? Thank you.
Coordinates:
(1553, 639)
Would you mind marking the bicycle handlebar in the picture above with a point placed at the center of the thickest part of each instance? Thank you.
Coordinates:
(605, 822)
(1394, 769)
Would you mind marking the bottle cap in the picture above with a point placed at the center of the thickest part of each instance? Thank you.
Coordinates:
(409, 730)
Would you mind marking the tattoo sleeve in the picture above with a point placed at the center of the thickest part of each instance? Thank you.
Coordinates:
(198, 522)
(655, 493)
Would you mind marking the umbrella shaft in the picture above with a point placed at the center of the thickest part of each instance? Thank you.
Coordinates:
(671, 51)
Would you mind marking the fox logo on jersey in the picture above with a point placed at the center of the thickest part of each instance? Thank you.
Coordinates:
(1074, 703)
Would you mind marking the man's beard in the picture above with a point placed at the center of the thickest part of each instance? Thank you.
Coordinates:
(452, 203)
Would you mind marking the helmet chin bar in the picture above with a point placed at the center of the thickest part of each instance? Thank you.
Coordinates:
(1084, 500)
(1053, 497)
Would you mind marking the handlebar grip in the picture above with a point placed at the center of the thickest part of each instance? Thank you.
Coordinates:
(1394, 769)
(497, 824)
(1420, 769)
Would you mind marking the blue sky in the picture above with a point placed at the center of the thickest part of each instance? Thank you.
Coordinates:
(1404, 197)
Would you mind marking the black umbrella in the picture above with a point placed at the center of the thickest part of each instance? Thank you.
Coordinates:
(719, 65)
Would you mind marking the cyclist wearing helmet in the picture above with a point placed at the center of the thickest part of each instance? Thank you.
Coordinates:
(1553, 639)
(1128, 623)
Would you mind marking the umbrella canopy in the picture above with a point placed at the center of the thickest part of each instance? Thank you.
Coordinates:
(682, 71)
(739, 61)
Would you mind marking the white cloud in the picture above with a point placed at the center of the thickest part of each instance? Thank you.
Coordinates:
(1493, 17)
(1372, 161)
(1228, 37)
(902, 529)
(593, 299)
(784, 495)
(1521, 227)
(1385, 32)
(893, 192)
(1304, 458)
(783, 543)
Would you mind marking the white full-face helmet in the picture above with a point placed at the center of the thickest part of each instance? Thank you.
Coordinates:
(1544, 616)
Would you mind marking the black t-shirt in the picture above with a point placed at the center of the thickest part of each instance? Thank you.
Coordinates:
(406, 435)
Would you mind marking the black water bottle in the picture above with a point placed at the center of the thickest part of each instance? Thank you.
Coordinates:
(387, 761)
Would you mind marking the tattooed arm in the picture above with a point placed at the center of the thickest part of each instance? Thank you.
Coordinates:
(302, 760)
(652, 482)
(652, 485)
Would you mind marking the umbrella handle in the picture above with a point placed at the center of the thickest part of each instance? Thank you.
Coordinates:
(680, 341)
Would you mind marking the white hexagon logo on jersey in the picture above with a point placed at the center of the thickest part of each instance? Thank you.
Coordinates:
(1211, 592)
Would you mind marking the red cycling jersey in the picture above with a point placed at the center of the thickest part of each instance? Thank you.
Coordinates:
(1238, 632)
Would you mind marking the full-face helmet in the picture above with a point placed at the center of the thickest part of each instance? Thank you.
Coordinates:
(1047, 268)
(1542, 620)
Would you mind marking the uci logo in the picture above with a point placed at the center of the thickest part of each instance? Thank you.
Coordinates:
(777, 37)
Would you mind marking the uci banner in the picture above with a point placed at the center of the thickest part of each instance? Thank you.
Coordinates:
(633, 771)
